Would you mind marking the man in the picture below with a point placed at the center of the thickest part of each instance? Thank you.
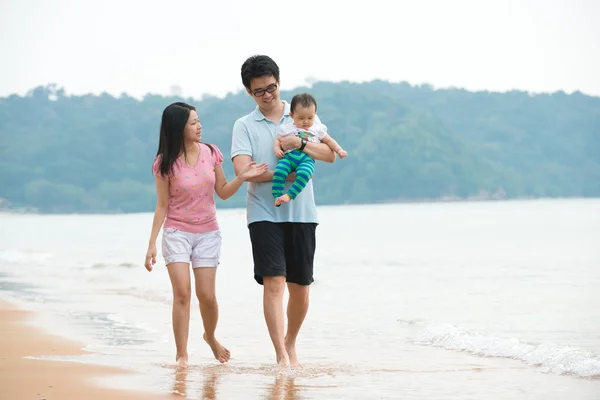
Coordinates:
(283, 238)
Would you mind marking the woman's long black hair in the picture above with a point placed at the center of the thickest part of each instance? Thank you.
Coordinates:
(170, 142)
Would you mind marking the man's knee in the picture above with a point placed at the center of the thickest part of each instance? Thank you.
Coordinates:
(299, 293)
(274, 285)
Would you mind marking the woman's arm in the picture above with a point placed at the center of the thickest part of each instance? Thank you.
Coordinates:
(160, 212)
(249, 171)
(162, 204)
(223, 188)
(240, 161)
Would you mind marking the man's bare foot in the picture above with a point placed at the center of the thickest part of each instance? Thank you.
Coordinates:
(283, 360)
(282, 199)
(290, 347)
(220, 352)
(181, 362)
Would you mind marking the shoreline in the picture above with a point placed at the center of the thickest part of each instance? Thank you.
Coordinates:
(440, 200)
(26, 378)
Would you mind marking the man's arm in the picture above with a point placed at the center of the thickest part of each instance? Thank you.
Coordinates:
(318, 151)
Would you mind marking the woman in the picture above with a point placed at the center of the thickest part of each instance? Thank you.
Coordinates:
(188, 173)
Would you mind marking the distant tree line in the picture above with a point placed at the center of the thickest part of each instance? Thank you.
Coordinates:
(93, 153)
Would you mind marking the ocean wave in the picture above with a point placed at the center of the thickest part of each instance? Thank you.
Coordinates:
(550, 357)
(24, 257)
(115, 265)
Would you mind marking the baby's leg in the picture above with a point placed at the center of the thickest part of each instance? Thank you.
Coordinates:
(304, 171)
(283, 168)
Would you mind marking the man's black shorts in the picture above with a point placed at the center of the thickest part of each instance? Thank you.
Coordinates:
(283, 249)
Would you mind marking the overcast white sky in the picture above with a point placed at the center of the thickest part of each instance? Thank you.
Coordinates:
(147, 46)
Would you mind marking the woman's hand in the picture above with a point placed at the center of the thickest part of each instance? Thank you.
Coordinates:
(150, 257)
(252, 170)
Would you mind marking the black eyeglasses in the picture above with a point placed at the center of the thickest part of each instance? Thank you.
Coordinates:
(261, 92)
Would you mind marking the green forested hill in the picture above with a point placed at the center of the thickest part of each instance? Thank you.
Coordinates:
(89, 153)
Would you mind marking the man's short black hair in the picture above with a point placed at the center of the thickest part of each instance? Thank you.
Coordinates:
(257, 66)
(303, 100)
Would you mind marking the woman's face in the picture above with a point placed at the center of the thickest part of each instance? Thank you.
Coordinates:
(193, 130)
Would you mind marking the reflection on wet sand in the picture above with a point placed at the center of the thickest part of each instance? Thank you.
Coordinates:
(209, 386)
(202, 382)
(180, 382)
(284, 388)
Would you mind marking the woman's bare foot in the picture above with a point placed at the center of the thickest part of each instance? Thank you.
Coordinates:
(290, 347)
(181, 362)
(282, 199)
(221, 353)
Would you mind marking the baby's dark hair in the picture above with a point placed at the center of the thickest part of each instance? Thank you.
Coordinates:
(302, 100)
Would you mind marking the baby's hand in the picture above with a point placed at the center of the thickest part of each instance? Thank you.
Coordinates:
(279, 153)
(342, 153)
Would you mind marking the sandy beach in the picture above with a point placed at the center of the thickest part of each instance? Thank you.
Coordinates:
(23, 379)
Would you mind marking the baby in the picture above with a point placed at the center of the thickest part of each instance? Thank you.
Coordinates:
(303, 110)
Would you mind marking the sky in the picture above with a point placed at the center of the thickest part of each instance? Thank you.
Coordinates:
(152, 46)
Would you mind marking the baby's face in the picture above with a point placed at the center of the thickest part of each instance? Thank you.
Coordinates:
(304, 117)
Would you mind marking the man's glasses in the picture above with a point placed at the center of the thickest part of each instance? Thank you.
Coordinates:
(261, 92)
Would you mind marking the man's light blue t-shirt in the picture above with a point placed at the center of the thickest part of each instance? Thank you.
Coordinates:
(253, 135)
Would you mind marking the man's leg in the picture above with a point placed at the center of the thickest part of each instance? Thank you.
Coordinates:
(269, 270)
(300, 250)
(296, 312)
(274, 287)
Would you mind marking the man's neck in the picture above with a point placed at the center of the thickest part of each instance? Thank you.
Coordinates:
(274, 115)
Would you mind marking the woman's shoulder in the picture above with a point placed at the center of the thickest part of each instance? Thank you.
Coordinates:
(156, 165)
(214, 152)
(209, 147)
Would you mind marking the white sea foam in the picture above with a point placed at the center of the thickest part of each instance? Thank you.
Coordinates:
(552, 358)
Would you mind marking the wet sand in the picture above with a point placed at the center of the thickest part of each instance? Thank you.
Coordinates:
(24, 378)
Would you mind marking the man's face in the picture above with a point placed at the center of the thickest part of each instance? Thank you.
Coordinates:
(265, 92)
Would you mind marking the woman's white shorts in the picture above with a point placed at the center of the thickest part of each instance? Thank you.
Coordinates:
(201, 249)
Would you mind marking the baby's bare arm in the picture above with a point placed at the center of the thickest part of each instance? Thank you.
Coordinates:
(333, 145)
(277, 144)
(277, 147)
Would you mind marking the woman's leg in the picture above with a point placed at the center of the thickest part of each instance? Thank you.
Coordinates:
(179, 273)
(205, 278)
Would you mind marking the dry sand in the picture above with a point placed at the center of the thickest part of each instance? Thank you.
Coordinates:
(24, 379)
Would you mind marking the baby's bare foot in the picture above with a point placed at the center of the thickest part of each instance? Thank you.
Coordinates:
(282, 199)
